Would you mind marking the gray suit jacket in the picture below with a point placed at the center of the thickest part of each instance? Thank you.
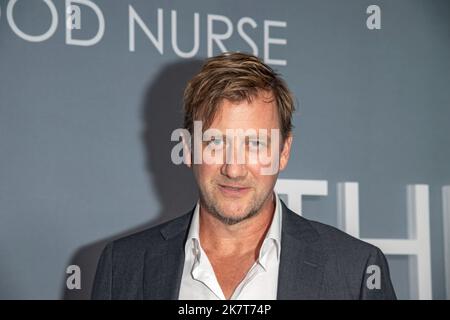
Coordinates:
(317, 262)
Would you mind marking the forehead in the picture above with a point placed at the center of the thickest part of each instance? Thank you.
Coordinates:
(259, 113)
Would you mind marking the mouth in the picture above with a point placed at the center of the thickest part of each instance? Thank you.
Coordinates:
(235, 191)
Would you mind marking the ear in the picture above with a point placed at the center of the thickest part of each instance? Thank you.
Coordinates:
(285, 152)
(187, 154)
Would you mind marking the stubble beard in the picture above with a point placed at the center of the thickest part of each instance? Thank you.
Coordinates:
(214, 209)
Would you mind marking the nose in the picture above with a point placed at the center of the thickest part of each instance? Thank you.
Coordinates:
(234, 170)
(234, 166)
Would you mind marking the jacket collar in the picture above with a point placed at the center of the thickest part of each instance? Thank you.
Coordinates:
(301, 263)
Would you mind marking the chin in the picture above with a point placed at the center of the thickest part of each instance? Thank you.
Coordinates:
(233, 208)
(238, 212)
(234, 216)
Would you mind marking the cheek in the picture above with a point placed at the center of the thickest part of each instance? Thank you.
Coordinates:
(260, 179)
(204, 173)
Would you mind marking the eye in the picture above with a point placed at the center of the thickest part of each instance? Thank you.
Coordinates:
(216, 141)
(256, 143)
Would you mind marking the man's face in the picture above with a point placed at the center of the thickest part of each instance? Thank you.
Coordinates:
(231, 190)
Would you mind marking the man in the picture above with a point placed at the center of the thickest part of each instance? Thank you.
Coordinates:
(240, 241)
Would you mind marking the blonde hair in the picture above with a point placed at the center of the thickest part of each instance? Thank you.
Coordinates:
(235, 76)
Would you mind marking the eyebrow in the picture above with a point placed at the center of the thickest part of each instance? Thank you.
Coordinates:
(249, 136)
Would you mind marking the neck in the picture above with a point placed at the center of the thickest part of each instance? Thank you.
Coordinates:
(241, 238)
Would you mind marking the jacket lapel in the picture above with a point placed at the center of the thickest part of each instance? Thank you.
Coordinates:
(163, 268)
(300, 271)
(301, 263)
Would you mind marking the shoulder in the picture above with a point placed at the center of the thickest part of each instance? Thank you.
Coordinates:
(339, 240)
(121, 265)
(350, 255)
(150, 239)
(330, 240)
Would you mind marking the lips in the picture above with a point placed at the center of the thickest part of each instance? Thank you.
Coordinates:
(233, 190)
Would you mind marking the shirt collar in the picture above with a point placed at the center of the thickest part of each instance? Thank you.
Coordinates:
(273, 234)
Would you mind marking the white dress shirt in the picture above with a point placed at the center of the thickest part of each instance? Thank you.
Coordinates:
(261, 281)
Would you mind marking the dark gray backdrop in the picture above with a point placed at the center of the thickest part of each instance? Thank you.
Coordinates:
(85, 131)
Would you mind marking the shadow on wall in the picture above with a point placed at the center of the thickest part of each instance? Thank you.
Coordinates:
(174, 185)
